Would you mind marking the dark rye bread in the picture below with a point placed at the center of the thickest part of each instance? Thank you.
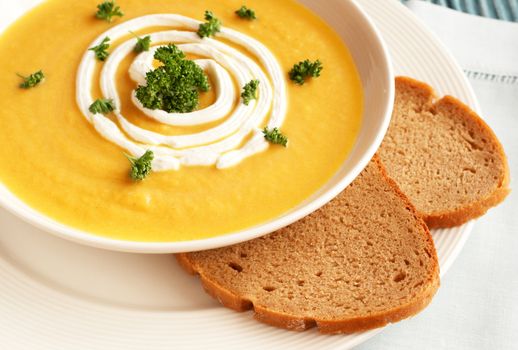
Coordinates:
(362, 261)
(443, 156)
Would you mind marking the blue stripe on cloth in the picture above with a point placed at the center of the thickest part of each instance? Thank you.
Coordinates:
(506, 10)
(487, 8)
(514, 9)
(471, 7)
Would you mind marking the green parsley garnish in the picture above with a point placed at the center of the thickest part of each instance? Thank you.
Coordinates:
(250, 91)
(107, 10)
(142, 44)
(275, 136)
(141, 167)
(305, 69)
(169, 54)
(32, 80)
(100, 50)
(211, 27)
(102, 106)
(173, 87)
(246, 13)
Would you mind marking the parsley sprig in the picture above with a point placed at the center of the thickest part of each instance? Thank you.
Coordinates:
(102, 106)
(143, 44)
(107, 10)
(32, 80)
(141, 167)
(101, 50)
(304, 70)
(173, 87)
(250, 91)
(275, 136)
(246, 13)
(211, 27)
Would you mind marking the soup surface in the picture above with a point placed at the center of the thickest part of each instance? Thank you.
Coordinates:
(56, 161)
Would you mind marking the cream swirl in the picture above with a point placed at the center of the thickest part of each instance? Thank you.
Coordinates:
(223, 145)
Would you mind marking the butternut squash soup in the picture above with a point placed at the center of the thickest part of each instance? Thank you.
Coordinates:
(163, 121)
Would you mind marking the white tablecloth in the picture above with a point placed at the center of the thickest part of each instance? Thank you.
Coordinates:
(477, 304)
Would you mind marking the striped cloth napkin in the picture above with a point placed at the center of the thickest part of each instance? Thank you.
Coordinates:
(476, 307)
(500, 9)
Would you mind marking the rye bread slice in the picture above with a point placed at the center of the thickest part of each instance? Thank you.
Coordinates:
(443, 156)
(363, 260)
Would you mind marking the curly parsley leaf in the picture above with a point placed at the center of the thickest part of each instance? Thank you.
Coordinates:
(304, 70)
(211, 27)
(101, 50)
(141, 167)
(32, 80)
(143, 44)
(173, 87)
(246, 13)
(102, 106)
(107, 10)
(169, 54)
(275, 136)
(250, 91)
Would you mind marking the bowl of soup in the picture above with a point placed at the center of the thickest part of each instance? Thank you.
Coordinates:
(165, 127)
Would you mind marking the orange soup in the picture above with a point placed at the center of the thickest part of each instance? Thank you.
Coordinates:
(59, 162)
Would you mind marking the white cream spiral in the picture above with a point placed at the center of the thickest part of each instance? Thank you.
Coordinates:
(222, 145)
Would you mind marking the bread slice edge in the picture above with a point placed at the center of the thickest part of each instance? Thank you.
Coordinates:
(459, 216)
(348, 325)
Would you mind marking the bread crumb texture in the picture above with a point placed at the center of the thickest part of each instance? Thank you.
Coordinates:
(363, 260)
(443, 156)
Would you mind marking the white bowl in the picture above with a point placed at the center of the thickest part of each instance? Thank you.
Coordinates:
(373, 63)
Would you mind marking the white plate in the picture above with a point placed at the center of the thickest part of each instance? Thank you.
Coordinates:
(58, 295)
(375, 70)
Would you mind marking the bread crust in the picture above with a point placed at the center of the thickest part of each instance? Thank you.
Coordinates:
(349, 325)
(482, 205)
(360, 324)
(475, 209)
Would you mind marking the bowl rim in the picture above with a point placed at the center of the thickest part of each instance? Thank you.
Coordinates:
(16, 206)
